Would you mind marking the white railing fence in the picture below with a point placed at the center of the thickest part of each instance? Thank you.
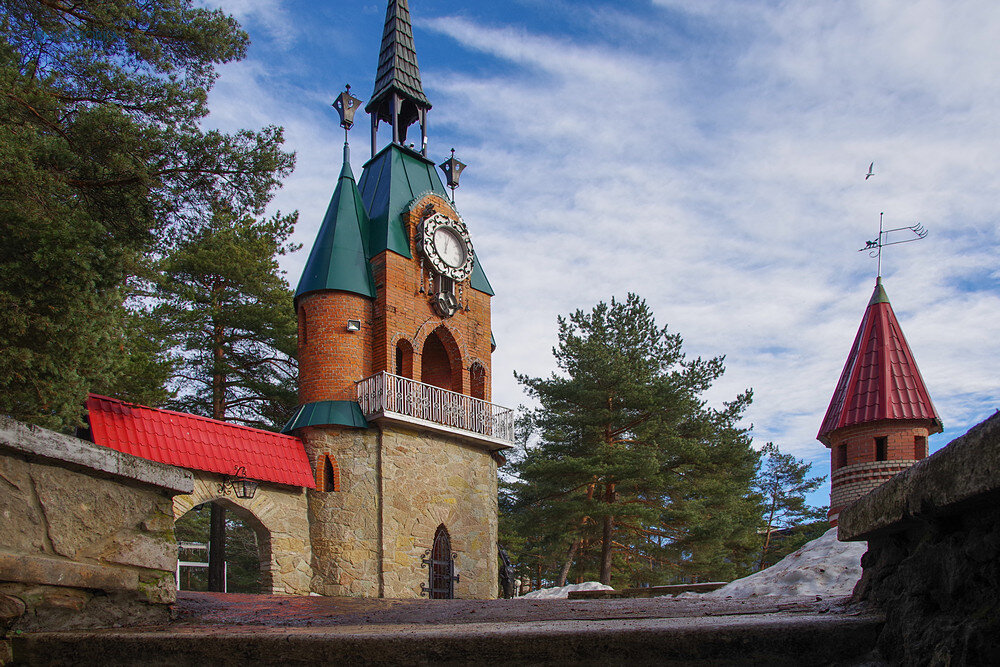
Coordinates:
(385, 392)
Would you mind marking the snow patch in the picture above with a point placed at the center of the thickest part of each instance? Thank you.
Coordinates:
(825, 567)
(562, 592)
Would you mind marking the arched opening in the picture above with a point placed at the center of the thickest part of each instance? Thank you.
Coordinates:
(327, 474)
(441, 578)
(245, 548)
(477, 381)
(440, 361)
(404, 359)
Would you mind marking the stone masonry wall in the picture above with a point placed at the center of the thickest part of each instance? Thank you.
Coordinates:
(432, 479)
(344, 524)
(86, 536)
(278, 516)
(933, 561)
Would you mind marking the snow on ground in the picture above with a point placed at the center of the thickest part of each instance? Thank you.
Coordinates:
(562, 592)
(824, 567)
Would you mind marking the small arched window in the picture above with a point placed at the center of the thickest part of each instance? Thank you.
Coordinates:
(404, 359)
(327, 474)
(477, 381)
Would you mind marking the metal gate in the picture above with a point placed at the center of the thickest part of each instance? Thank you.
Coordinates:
(441, 564)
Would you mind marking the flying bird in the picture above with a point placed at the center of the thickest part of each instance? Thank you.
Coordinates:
(871, 171)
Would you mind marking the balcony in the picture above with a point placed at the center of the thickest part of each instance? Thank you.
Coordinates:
(399, 399)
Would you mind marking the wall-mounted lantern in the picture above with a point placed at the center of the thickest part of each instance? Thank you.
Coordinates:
(239, 484)
(353, 325)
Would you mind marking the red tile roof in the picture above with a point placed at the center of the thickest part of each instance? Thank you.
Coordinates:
(198, 443)
(880, 379)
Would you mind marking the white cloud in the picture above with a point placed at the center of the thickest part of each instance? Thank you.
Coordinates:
(269, 15)
(725, 185)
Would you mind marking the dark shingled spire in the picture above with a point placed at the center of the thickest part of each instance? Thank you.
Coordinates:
(398, 80)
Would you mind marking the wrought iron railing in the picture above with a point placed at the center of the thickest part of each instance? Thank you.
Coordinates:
(386, 393)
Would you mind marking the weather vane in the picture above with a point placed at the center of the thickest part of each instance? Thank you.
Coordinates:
(874, 247)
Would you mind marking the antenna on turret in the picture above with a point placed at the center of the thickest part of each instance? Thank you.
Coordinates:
(874, 247)
(452, 169)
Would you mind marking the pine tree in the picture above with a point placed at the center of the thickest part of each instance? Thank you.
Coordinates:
(227, 309)
(101, 155)
(782, 483)
(633, 472)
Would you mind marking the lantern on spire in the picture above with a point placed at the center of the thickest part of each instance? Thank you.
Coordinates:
(346, 105)
(452, 169)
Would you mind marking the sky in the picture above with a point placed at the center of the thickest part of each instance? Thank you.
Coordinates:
(708, 155)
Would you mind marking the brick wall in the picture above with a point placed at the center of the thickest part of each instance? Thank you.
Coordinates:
(860, 470)
(331, 359)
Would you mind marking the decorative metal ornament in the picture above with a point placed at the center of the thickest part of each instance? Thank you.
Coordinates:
(239, 484)
(874, 247)
(452, 169)
(447, 246)
(346, 105)
(445, 304)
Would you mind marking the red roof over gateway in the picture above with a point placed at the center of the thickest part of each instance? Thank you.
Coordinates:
(198, 443)
(881, 379)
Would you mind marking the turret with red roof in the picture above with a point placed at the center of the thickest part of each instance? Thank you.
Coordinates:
(881, 414)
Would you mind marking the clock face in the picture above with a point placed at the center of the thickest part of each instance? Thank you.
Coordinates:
(449, 246)
(445, 243)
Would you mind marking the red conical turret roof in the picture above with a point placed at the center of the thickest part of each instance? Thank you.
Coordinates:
(880, 379)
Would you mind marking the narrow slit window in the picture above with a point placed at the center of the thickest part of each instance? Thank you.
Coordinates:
(882, 449)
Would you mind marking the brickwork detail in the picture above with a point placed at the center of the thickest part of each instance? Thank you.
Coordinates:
(332, 358)
(856, 469)
(327, 474)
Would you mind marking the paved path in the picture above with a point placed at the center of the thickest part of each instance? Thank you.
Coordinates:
(221, 629)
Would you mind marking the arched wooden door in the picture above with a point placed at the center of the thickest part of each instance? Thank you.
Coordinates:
(441, 564)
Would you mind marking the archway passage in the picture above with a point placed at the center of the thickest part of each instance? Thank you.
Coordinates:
(245, 551)
(442, 567)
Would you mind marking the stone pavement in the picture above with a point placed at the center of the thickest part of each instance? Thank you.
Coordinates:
(221, 629)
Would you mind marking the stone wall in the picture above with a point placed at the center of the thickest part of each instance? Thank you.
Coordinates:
(86, 537)
(278, 516)
(397, 485)
(933, 561)
(344, 524)
(432, 479)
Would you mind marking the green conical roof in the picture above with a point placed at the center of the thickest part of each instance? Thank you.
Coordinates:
(389, 183)
(339, 257)
(879, 296)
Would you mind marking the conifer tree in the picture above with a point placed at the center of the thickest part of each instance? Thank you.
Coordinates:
(783, 485)
(101, 155)
(227, 310)
(633, 472)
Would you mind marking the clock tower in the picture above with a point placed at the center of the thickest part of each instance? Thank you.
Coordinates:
(395, 346)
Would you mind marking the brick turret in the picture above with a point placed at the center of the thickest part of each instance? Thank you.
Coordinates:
(881, 414)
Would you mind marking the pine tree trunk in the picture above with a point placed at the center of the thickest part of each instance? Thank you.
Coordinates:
(606, 538)
(218, 354)
(767, 537)
(217, 549)
(570, 555)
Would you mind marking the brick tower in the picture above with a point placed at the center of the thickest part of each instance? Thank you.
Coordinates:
(881, 414)
(395, 348)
